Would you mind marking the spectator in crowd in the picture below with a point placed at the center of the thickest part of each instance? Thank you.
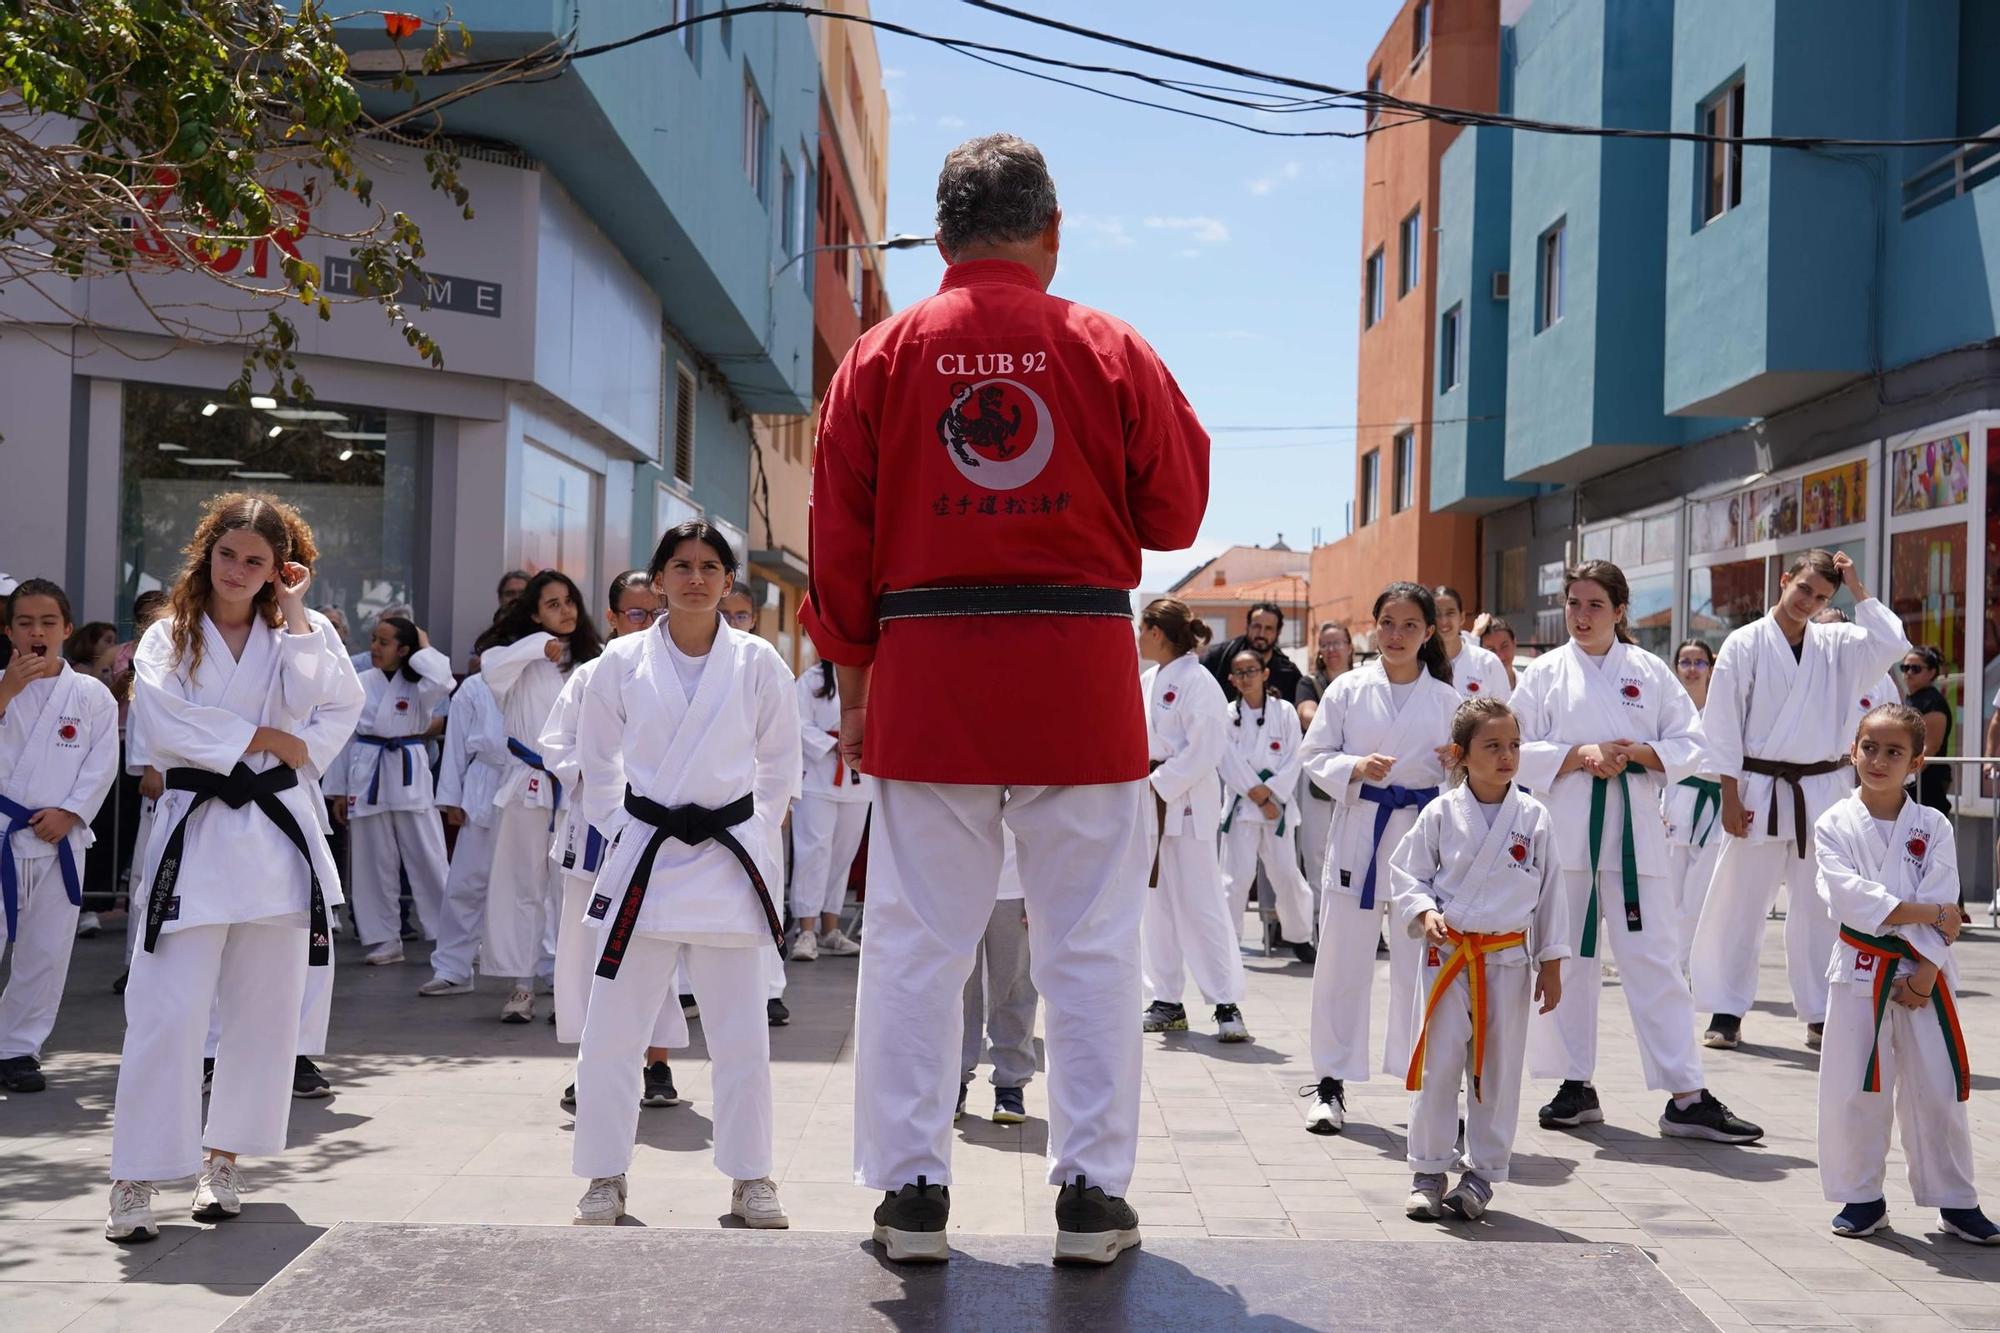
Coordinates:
(512, 584)
(1496, 636)
(738, 611)
(91, 649)
(1921, 668)
(1267, 623)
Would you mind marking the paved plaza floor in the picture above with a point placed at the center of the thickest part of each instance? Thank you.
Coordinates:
(444, 1115)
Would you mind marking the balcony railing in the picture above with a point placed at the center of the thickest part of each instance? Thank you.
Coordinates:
(1963, 168)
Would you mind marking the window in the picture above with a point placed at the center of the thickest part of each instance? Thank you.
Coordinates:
(1722, 164)
(1372, 282)
(1549, 278)
(788, 208)
(1374, 91)
(1420, 24)
(855, 273)
(1406, 472)
(686, 11)
(805, 217)
(1410, 262)
(1449, 352)
(671, 508)
(1371, 471)
(756, 138)
(684, 391)
(558, 515)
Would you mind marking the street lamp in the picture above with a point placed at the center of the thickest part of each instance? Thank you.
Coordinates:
(907, 241)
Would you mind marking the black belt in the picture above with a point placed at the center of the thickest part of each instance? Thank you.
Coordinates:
(1003, 600)
(693, 825)
(1779, 771)
(239, 787)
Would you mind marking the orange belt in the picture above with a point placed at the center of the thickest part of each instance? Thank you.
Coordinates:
(1468, 955)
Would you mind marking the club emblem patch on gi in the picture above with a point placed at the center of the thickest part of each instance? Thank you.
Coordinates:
(1431, 958)
(1631, 693)
(599, 905)
(1916, 847)
(982, 427)
(1864, 962)
(1517, 848)
(173, 909)
(534, 785)
(1276, 746)
(1168, 698)
(1866, 702)
(1472, 687)
(402, 705)
(66, 733)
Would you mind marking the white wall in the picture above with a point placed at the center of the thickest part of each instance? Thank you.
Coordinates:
(597, 326)
(35, 421)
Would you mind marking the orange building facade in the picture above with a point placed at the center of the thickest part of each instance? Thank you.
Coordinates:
(1444, 52)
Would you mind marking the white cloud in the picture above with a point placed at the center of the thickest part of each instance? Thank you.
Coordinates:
(1203, 230)
(1098, 229)
(1291, 171)
(950, 123)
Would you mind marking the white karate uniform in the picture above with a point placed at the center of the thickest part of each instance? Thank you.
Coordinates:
(1862, 877)
(236, 926)
(1692, 847)
(58, 750)
(1488, 879)
(1764, 702)
(1361, 715)
(475, 763)
(525, 888)
(683, 731)
(1564, 699)
(399, 828)
(1186, 926)
(1262, 749)
(1479, 674)
(832, 809)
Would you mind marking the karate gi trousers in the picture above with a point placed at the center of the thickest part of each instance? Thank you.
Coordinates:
(933, 876)
(525, 887)
(1731, 932)
(1315, 828)
(1691, 870)
(257, 970)
(1492, 1117)
(578, 947)
(825, 836)
(1186, 926)
(1918, 1091)
(1344, 984)
(1247, 844)
(380, 843)
(1000, 1000)
(39, 956)
(315, 1011)
(1563, 1044)
(464, 916)
(623, 1015)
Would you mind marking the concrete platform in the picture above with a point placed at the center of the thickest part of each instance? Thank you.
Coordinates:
(367, 1277)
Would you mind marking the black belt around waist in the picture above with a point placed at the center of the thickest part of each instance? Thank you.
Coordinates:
(1003, 600)
(237, 788)
(693, 825)
(1779, 771)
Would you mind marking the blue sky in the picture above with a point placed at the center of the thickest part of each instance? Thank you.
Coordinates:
(1236, 255)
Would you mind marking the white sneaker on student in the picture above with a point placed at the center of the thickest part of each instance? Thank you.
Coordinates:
(520, 1007)
(805, 948)
(444, 986)
(756, 1202)
(603, 1203)
(215, 1191)
(383, 954)
(132, 1211)
(835, 944)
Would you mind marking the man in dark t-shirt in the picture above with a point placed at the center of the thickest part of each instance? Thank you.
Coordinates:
(1266, 623)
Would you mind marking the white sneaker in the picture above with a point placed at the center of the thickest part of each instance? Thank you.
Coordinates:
(756, 1202)
(215, 1191)
(602, 1204)
(383, 954)
(88, 926)
(132, 1211)
(1426, 1201)
(520, 1007)
(444, 986)
(805, 948)
(835, 944)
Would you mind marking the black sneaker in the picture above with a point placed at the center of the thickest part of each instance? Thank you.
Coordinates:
(910, 1222)
(22, 1073)
(1861, 1219)
(1725, 1033)
(660, 1086)
(1575, 1103)
(208, 1074)
(1707, 1119)
(1092, 1227)
(1008, 1106)
(1161, 1016)
(958, 1112)
(568, 1098)
(1305, 951)
(1329, 1108)
(118, 986)
(775, 1012)
(307, 1081)
(1229, 1024)
(1815, 1035)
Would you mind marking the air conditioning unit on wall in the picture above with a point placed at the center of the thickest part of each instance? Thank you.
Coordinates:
(1500, 285)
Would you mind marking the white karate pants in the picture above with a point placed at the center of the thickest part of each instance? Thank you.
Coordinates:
(578, 947)
(379, 844)
(620, 1023)
(1186, 926)
(1344, 984)
(1691, 870)
(1492, 1117)
(933, 876)
(1563, 1044)
(40, 956)
(1748, 873)
(315, 1012)
(258, 970)
(464, 916)
(1315, 829)
(825, 836)
(1000, 1000)
(1917, 1089)
(1246, 845)
(524, 888)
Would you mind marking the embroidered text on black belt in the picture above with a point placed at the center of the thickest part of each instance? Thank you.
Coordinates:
(1003, 600)
(693, 825)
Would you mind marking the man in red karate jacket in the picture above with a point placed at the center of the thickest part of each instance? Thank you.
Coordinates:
(990, 463)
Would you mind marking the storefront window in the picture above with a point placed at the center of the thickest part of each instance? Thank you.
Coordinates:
(558, 511)
(1836, 497)
(1927, 589)
(1724, 597)
(1651, 616)
(354, 473)
(1932, 475)
(1771, 512)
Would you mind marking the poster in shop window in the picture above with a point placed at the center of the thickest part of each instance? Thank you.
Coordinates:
(1933, 475)
(1714, 525)
(1774, 512)
(1837, 497)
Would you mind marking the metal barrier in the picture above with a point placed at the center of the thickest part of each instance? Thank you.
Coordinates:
(1969, 803)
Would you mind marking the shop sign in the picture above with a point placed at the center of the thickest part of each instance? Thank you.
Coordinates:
(442, 291)
(1932, 475)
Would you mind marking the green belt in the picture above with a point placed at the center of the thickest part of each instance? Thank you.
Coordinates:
(1628, 862)
(1706, 793)
(1263, 775)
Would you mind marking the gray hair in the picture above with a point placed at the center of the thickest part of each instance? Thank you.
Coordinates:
(993, 189)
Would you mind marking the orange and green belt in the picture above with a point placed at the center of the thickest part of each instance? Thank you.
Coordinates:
(1468, 955)
(1887, 950)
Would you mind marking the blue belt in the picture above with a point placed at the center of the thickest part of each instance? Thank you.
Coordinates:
(593, 847)
(385, 744)
(17, 817)
(1388, 800)
(534, 760)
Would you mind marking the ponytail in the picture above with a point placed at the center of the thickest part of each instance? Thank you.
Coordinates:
(1431, 652)
(1171, 616)
(824, 690)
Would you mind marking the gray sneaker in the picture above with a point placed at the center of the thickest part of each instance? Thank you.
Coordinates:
(1092, 1227)
(602, 1204)
(1469, 1197)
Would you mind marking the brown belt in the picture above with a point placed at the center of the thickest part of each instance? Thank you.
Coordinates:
(1784, 772)
(1159, 828)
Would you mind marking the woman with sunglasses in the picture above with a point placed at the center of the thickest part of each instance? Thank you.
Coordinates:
(1692, 808)
(1920, 668)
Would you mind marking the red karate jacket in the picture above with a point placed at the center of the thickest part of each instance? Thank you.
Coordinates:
(994, 434)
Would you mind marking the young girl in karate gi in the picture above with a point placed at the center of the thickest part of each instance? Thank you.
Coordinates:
(1692, 809)
(1260, 781)
(475, 763)
(1888, 872)
(1475, 673)
(1333, 659)
(58, 757)
(690, 742)
(1377, 744)
(381, 789)
(543, 635)
(1476, 885)
(240, 695)
(1185, 924)
(827, 822)
(1606, 725)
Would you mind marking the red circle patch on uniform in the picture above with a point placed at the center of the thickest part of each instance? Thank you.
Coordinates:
(1167, 698)
(1472, 687)
(67, 731)
(1916, 847)
(1519, 851)
(1629, 691)
(402, 705)
(1274, 745)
